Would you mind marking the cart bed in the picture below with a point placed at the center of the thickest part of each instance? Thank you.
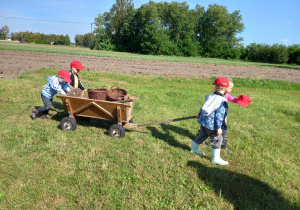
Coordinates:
(120, 111)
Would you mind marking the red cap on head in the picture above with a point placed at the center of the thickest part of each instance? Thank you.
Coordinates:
(65, 75)
(77, 65)
(243, 100)
(221, 81)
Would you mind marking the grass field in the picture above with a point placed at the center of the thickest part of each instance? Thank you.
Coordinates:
(42, 166)
(87, 51)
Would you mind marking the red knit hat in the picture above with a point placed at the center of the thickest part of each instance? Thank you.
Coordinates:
(243, 100)
(221, 81)
(77, 65)
(65, 75)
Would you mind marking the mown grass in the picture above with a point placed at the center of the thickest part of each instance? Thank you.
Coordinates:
(88, 52)
(42, 166)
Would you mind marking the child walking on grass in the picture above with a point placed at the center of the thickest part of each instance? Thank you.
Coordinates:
(242, 100)
(212, 117)
(55, 84)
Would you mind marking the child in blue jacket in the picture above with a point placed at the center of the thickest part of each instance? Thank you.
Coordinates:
(212, 118)
(55, 84)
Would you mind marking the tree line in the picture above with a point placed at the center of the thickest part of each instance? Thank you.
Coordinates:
(174, 29)
(169, 29)
(275, 53)
(39, 38)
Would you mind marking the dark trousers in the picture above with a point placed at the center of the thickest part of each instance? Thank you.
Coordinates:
(215, 139)
(224, 142)
(48, 104)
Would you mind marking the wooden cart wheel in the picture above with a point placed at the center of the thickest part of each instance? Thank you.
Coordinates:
(68, 123)
(117, 131)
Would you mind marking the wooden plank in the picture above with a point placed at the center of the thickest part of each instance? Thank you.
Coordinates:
(113, 103)
(124, 101)
(167, 121)
(65, 106)
(85, 94)
(83, 108)
(119, 115)
(70, 109)
(130, 126)
(104, 110)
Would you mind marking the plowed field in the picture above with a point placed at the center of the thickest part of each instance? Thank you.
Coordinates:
(13, 63)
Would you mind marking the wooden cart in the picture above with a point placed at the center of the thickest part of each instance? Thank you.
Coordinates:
(82, 106)
(78, 104)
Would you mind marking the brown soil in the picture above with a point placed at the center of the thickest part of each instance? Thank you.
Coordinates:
(13, 63)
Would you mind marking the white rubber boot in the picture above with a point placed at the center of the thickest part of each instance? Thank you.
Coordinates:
(215, 157)
(194, 149)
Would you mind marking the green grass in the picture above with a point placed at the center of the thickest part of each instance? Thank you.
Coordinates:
(88, 52)
(42, 166)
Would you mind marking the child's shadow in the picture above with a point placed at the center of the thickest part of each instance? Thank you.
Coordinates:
(242, 191)
(167, 137)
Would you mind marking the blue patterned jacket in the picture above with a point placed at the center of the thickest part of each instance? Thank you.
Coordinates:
(53, 86)
(214, 112)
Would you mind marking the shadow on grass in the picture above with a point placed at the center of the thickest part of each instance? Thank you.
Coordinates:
(167, 137)
(82, 121)
(86, 121)
(242, 191)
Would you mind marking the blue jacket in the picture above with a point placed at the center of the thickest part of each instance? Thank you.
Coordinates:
(53, 86)
(214, 112)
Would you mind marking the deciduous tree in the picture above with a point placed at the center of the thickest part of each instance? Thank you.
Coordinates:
(218, 30)
(4, 31)
(102, 38)
(118, 22)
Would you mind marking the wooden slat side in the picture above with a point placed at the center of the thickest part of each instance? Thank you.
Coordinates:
(103, 110)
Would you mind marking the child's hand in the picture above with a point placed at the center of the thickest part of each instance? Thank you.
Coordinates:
(197, 116)
(219, 131)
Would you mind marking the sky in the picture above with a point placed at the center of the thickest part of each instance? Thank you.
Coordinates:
(266, 21)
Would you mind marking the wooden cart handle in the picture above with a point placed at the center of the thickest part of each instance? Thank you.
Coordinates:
(167, 121)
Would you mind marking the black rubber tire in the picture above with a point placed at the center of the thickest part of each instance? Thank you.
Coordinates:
(117, 131)
(68, 123)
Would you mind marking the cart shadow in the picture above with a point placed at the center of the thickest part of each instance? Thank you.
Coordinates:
(60, 111)
(86, 121)
(242, 191)
(167, 136)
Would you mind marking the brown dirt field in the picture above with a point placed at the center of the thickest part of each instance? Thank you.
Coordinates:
(13, 63)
